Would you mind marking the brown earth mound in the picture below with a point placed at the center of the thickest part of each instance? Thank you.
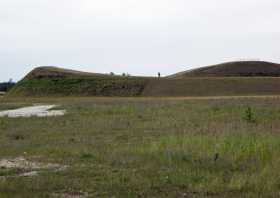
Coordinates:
(237, 69)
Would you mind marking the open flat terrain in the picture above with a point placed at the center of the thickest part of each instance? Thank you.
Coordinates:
(142, 147)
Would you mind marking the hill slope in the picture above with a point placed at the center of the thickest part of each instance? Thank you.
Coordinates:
(241, 69)
(46, 81)
(204, 86)
(56, 72)
(52, 81)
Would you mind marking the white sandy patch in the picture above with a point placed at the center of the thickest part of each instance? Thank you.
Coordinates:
(23, 163)
(29, 174)
(38, 110)
(30, 168)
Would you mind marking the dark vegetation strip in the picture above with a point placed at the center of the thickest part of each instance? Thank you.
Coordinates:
(6, 86)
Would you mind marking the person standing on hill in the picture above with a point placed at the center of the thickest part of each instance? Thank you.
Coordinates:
(158, 74)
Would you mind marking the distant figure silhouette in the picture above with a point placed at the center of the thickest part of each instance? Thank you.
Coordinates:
(158, 74)
(216, 157)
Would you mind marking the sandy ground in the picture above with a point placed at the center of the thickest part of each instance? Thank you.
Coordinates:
(29, 168)
(38, 110)
(23, 163)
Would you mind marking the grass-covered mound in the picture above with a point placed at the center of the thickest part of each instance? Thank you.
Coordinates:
(52, 81)
(61, 82)
(240, 68)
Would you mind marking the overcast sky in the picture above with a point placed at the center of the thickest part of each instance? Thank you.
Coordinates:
(140, 37)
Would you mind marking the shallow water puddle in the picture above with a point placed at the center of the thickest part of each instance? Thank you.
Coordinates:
(37, 110)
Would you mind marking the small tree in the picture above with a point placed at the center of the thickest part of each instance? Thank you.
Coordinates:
(6, 86)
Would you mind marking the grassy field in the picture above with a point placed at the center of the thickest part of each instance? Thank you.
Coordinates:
(146, 147)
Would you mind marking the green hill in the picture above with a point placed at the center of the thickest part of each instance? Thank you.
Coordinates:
(46, 81)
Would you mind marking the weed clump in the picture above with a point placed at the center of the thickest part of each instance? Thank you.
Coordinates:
(249, 115)
(87, 156)
(3, 124)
